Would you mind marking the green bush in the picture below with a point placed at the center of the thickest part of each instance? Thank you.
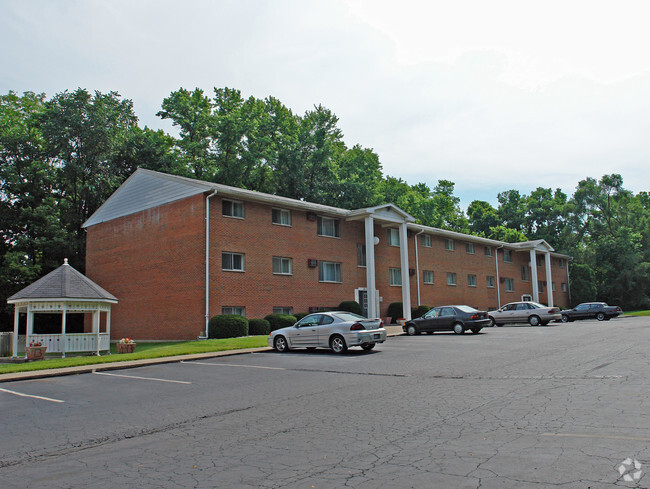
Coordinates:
(395, 311)
(278, 321)
(227, 326)
(258, 327)
(351, 306)
(418, 312)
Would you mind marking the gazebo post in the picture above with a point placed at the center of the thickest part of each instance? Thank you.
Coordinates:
(14, 346)
(96, 328)
(30, 326)
(63, 326)
(108, 329)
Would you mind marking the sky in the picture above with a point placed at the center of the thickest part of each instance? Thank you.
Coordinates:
(492, 95)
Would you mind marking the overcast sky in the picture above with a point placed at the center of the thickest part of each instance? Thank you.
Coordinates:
(492, 95)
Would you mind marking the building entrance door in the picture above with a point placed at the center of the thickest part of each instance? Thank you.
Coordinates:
(363, 301)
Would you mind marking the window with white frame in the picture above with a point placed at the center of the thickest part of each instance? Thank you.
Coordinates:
(489, 281)
(469, 248)
(329, 271)
(427, 276)
(395, 275)
(238, 310)
(232, 208)
(282, 310)
(553, 286)
(393, 237)
(282, 265)
(233, 262)
(507, 255)
(487, 250)
(563, 286)
(361, 255)
(449, 244)
(328, 226)
(524, 273)
(509, 284)
(281, 217)
(451, 278)
(471, 280)
(426, 240)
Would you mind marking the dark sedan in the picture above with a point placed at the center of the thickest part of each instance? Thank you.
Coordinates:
(448, 318)
(591, 310)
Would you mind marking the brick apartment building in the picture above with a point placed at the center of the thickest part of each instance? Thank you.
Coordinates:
(177, 251)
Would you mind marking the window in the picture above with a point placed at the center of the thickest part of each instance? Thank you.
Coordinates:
(449, 244)
(507, 256)
(524, 273)
(233, 262)
(395, 276)
(329, 271)
(328, 227)
(469, 248)
(540, 285)
(489, 281)
(239, 311)
(426, 240)
(361, 255)
(538, 259)
(471, 280)
(282, 310)
(563, 286)
(561, 262)
(393, 237)
(488, 251)
(232, 208)
(451, 278)
(427, 276)
(281, 217)
(553, 286)
(282, 266)
(509, 284)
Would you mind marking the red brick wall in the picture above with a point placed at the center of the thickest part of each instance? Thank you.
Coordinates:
(154, 263)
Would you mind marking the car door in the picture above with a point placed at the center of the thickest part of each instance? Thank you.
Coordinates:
(521, 312)
(305, 332)
(506, 314)
(324, 330)
(429, 321)
(581, 311)
(447, 319)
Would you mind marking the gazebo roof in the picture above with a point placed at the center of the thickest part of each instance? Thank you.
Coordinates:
(61, 284)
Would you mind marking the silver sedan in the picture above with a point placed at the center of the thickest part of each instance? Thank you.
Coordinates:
(529, 312)
(337, 330)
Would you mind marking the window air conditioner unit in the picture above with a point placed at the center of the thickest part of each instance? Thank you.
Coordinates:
(312, 262)
(502, 279)
(411, 271)
(311, 216)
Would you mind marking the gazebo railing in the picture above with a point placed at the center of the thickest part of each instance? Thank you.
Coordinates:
(73, 342)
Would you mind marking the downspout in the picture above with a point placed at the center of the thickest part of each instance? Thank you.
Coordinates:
(568, 282)
(207, 260)
(417, 264)
(496, 261)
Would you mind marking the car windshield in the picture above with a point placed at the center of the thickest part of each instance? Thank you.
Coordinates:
(466, 309)
(347, 316)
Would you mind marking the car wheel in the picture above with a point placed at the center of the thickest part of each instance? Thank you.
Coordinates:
(492, 323)
(280, 344)
(411, 330)
(533, 320)
(476, 330)
(459, 328)
(368, 346)
(337, 344)
(600, 316)
(565, 318)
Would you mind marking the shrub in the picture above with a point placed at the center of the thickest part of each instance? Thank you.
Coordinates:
(418, 312)
(395, 311)
(258, 327)
(278, 321)
(351, 306)
(227, 326)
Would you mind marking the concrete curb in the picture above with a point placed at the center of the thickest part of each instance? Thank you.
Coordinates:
(84, 369)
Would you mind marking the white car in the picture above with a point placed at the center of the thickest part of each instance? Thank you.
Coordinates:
(529, 312)
(337, 330)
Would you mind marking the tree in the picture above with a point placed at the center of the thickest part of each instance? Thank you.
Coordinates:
(482, 216)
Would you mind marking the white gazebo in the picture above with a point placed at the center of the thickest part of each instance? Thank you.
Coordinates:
(64, 291)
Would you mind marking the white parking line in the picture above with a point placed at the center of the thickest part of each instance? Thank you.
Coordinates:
(29, 395)
(142, 378)
(232, 365)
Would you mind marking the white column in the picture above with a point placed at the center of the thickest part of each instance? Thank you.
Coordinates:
(371, 288)
(108, 329)
(14, 346)
(533, 275)
(96, 318)
(549, 279)
(30, 326)
(404, 263)
(64, 318)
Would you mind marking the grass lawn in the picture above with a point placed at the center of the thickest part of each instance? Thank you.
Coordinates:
(637, 313)
(142, 351)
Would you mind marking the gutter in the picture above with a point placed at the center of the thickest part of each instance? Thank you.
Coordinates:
(207, 261)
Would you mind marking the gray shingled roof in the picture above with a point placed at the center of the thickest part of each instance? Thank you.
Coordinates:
(63, 283)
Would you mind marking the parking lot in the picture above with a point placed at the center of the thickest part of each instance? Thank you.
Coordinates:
(514, 407)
